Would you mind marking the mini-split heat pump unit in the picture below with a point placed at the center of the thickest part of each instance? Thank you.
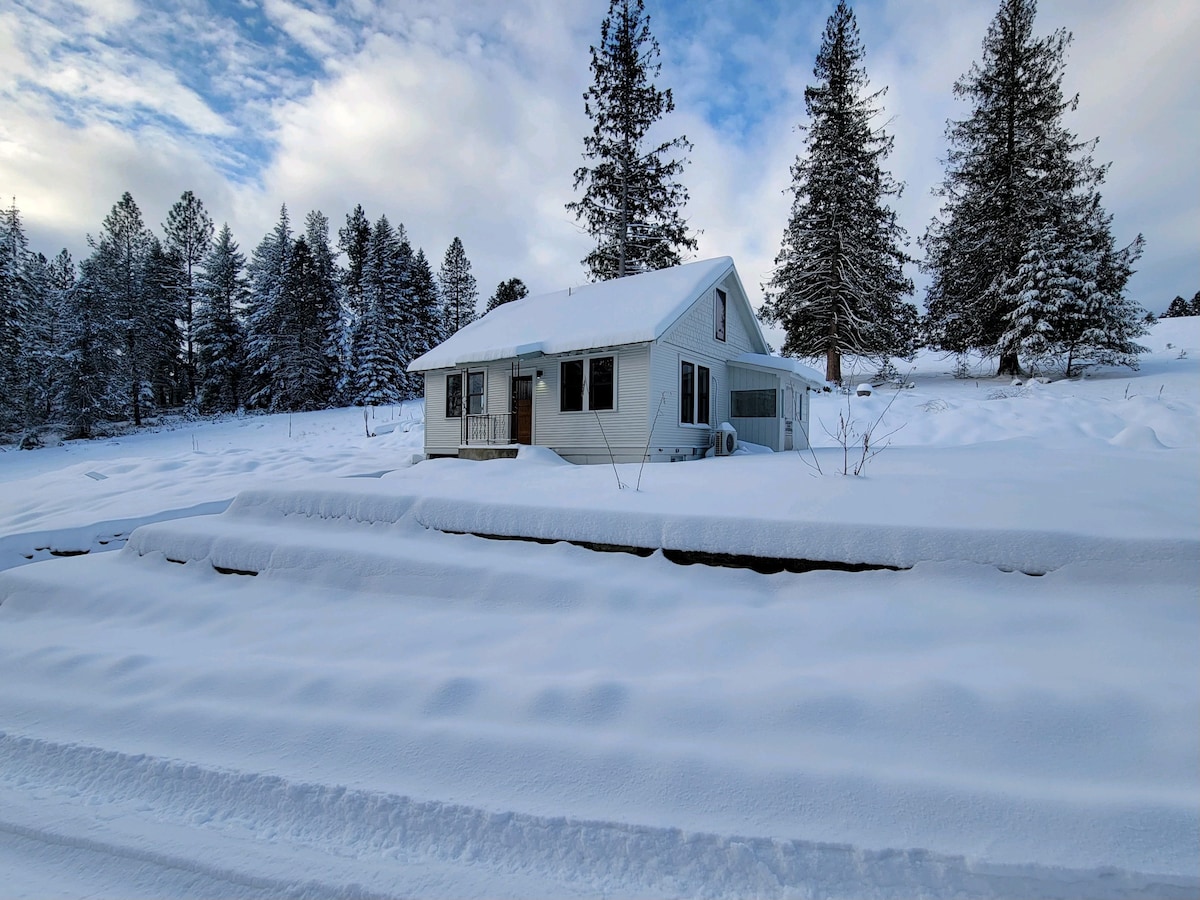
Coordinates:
(725, 440)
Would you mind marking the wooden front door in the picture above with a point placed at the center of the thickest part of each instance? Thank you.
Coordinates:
(522, 407)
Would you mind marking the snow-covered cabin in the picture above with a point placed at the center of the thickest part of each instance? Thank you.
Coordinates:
(642, 367)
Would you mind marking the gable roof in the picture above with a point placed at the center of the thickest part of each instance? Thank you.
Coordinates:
(631, 310)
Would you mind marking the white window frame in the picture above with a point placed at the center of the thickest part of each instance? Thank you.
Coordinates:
(720, 315)
(695, 405)
(585, 387)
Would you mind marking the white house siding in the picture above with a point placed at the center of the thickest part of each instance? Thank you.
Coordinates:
(442, 435)
(577, 436)
(758, 431)
(692, 339)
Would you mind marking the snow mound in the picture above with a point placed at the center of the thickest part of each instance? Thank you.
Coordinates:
(1139, 437)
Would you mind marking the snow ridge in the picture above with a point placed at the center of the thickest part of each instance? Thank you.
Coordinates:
(593, 856)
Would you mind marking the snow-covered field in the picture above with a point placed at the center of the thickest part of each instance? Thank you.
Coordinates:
(331, 687)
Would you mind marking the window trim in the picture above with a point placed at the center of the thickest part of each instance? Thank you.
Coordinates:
(702, 385)
(482, 395)
(450, 414)
(687, 392)
(585, 387)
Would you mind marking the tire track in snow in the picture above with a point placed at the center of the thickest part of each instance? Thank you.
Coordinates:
(612, 858)
(176, 875)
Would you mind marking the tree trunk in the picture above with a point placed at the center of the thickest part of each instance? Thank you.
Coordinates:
(1009, 365)
(833, 366)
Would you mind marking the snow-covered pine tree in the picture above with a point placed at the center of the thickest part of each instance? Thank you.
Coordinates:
(1194, 306)
(165, 300)
(15, 298)
(507, 292)
(266, 349)
(426, 330)
(353, 240)
(326, 294)
(188, 233)
(457, 287)
(1179, 307)
(87, 365)
(1014, 171)
(839, 284)
(219, 335)
(632, 203)
(118, 270)
(379, 376)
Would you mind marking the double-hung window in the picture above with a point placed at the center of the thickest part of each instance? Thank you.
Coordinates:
(475, 383)
(587, 384)
(695, 394)
(474, 394)
(454, 396)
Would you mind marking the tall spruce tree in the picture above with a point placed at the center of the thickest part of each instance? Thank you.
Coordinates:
(426, 329)
(119, 268)
(839, 282)
(86, 389)
(188, 231)
(507, 292)
(15, 301)
(378, 351)
(632, 204)
(267, 313)
(457, 287)
(326, 294)
(219, 333)
(1021, 191)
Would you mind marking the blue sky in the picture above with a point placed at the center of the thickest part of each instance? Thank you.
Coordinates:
(466, 118)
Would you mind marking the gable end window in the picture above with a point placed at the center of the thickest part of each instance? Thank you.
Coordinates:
(587, 384)
(720, 305)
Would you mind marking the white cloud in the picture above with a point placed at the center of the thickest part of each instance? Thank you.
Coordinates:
(468, 119)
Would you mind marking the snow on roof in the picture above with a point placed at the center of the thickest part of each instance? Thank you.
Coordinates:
(630, 310)
(782, 364)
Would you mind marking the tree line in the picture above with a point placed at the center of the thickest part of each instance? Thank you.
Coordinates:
(1022, 262)
(186, 321)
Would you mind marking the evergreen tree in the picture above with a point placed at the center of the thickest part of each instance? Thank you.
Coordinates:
(220, 337)
(426, 328)
(1017, 177)
(266, 313)
(15, 292)
(632, 203)
(1179, 307)
(326, 295)
(118, 269)
(353, 240)
(378, 349)
(457, 287)
(165, 298)
(839, 282)
(87, 364)
(507, 292)
(189, 231)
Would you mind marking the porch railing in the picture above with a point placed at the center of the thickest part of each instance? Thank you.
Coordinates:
(487, 429)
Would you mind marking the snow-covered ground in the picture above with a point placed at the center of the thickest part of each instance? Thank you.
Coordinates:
(331, 686)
